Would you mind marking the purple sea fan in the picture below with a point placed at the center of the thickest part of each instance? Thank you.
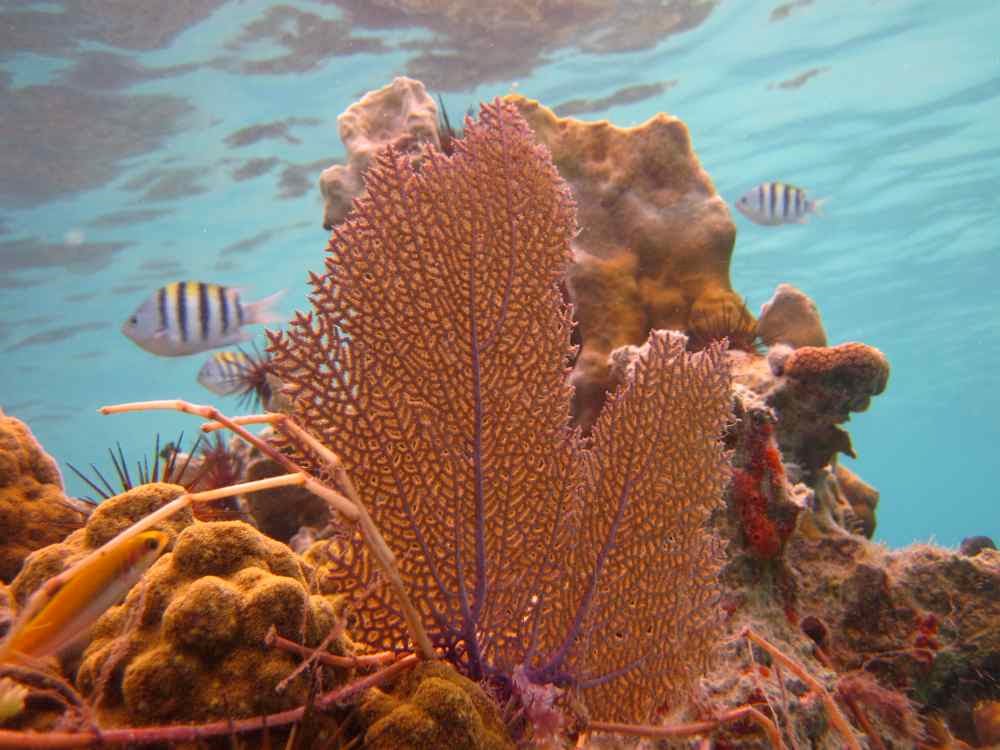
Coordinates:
(434, 363)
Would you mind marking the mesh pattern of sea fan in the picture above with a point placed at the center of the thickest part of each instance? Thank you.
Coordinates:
(434, 363)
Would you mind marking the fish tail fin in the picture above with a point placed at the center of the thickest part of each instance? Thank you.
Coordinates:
(262, 310)
(817, 205)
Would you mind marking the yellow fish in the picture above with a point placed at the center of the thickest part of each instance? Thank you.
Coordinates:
(74, 606)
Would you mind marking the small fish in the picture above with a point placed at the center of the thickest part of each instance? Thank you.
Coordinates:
(80, 601)
(187, 317)
(774, 203)
(227, 373)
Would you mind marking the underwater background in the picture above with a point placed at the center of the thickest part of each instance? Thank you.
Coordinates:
(147, 143)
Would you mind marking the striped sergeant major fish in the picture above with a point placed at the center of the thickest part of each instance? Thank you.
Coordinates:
(188, 317)
(238, 372)
(774, 203)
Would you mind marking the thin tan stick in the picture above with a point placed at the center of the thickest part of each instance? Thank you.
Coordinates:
(695, 727)
(268, 418)
(337, 501)
(362, 661)
(837, 718)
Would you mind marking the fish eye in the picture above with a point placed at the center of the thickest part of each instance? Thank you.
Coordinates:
(134, 320)
(152, 543)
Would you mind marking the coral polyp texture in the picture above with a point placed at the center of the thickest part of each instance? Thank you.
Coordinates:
(434, 364)
(654, 244)
(188, 643)
(34, 511)
(432, 706)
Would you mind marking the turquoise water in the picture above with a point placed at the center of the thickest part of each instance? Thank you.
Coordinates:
(124, 167)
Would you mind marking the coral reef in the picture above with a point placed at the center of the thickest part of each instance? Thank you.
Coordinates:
(790, 317)
(654, 244)
(432, 706)
(402, 115)
(34, 511)
(434, 363)
(574, 578)
(188, 645)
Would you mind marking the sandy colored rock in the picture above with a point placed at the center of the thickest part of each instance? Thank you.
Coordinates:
(34, 511)
(790, 317)
(654, 244)
(401, 114)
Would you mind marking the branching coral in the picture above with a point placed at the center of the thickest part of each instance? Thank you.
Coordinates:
(434, 365)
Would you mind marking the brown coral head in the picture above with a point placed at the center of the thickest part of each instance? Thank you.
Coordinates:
(854, 371)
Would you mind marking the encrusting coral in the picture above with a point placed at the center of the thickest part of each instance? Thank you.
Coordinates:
(434, 364)
(654, 243)
(108, 520)
(34, 511)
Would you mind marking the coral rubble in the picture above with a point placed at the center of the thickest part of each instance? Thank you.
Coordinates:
(34, 511)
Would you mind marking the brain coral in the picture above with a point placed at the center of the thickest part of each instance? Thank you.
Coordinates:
(432, 706)
(34, 512)
(189, 644)
(655, 238)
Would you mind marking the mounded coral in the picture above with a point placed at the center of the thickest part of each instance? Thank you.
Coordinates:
(432, 706)
(34, 512)
(654, 244)
(401, 114)
(188, 645)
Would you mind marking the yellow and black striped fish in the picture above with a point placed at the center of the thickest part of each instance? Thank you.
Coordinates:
(187, 317)
(238, 372)
(773, 203)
